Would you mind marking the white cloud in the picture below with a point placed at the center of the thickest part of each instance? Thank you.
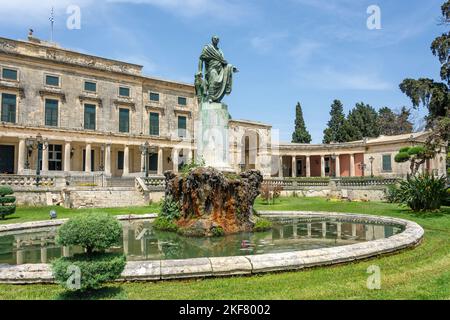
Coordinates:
(304, 50)
(329, 78)
(264, 44)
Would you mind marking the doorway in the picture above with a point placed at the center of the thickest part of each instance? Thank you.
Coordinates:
(7, 159)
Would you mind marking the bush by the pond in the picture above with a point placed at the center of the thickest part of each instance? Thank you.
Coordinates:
(393, 194)
(170, 209)
(95, 233)
(91, 231)
(262, 225)
(7, 202)
(163, 224)
(424, 192)
(95, 269)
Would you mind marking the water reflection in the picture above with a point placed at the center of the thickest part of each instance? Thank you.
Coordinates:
(142, 242)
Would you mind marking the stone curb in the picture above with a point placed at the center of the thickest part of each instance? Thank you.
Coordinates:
(243, 265)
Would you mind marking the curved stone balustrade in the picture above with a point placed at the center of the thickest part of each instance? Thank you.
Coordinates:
(240, 265)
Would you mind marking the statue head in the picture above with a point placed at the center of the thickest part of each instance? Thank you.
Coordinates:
(215, 41)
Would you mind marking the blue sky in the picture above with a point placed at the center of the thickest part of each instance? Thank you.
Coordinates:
(312, 51)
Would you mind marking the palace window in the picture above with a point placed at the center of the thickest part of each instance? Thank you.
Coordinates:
(9, 74)
(52, 81)
(124, 91)
(387, 163)
(9, 107)
(124, 120)
(154, 124)
(182, 101)
(182, 125)
(54, 157)
(154, 97)
(51, 112)
(89, 116)
(90, 86)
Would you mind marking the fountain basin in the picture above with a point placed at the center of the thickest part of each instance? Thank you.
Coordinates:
(409, 234)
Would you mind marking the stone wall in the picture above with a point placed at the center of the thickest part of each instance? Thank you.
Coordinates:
(103, 198)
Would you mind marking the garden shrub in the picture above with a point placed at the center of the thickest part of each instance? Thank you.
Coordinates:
(170, 209)
(95, 269)
(164, 224)
(392, 194)
(262, 225)
(424, 192)
(7, 202)
(402, 157)
(95, 233)
(217, 231)
(270, 193)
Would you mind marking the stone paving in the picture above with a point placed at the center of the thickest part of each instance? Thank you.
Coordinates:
(241, 265)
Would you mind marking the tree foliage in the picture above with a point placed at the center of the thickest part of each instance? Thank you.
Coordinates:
(301, 134)
(391, 123)
(417, 156)
(362, 122)
(335, 132)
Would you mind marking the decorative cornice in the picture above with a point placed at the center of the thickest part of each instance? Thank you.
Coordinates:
(83, 98)
(20, 90)
(125, 103)
(182, 111)
(160, 109)
(58, 94)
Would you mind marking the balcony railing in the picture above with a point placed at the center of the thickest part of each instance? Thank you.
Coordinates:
(18, 181)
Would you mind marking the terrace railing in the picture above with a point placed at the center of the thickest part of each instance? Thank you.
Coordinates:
(18, 181)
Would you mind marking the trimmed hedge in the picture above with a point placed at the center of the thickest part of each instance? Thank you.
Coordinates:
(7, 201)
(91, 231)
(95, 233)
(94, 269)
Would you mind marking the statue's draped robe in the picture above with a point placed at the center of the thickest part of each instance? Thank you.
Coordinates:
(219, 74)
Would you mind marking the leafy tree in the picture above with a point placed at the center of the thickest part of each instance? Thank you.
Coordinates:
(387, 121)
(435, 96)
(362, 123)
(417, 156)
(301, 134)
(335, 132)
(441, 45)
(391, 123)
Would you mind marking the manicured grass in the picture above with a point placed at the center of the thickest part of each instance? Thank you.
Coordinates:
(24, 214)
(421, 273)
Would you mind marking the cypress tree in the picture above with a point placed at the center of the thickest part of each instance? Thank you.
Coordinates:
(335, 130)
(301, 134)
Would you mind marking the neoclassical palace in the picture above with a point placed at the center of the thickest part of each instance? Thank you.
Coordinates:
(70, 113)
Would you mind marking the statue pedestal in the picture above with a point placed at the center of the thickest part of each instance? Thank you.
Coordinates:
(212, 141)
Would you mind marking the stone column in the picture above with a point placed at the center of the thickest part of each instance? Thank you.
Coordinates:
(339, 230)
(309, 228)
(45, 157)
(324, 229)
(160, 161)
(87, 158)
(21, 157)
(338, 167)
(352, 165)
(67, 160)
(322, 166)
(294, 166)
(308, 166)
(126, 161)
(280, 165)
(175, 156)
(108, 159)
(353, 230)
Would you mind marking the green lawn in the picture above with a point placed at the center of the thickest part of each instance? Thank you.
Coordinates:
(421, 273)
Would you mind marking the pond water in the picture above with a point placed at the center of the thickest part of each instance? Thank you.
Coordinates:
(141, 242)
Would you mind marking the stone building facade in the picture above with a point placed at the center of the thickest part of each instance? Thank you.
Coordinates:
(94, 115)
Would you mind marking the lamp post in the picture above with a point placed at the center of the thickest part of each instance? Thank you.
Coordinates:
(371, 159)
(144, 151)
(40, 144)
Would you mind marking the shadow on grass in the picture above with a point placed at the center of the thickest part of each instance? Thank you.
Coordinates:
(106, 293)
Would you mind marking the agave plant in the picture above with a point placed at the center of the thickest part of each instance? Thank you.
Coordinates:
(424, 192)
